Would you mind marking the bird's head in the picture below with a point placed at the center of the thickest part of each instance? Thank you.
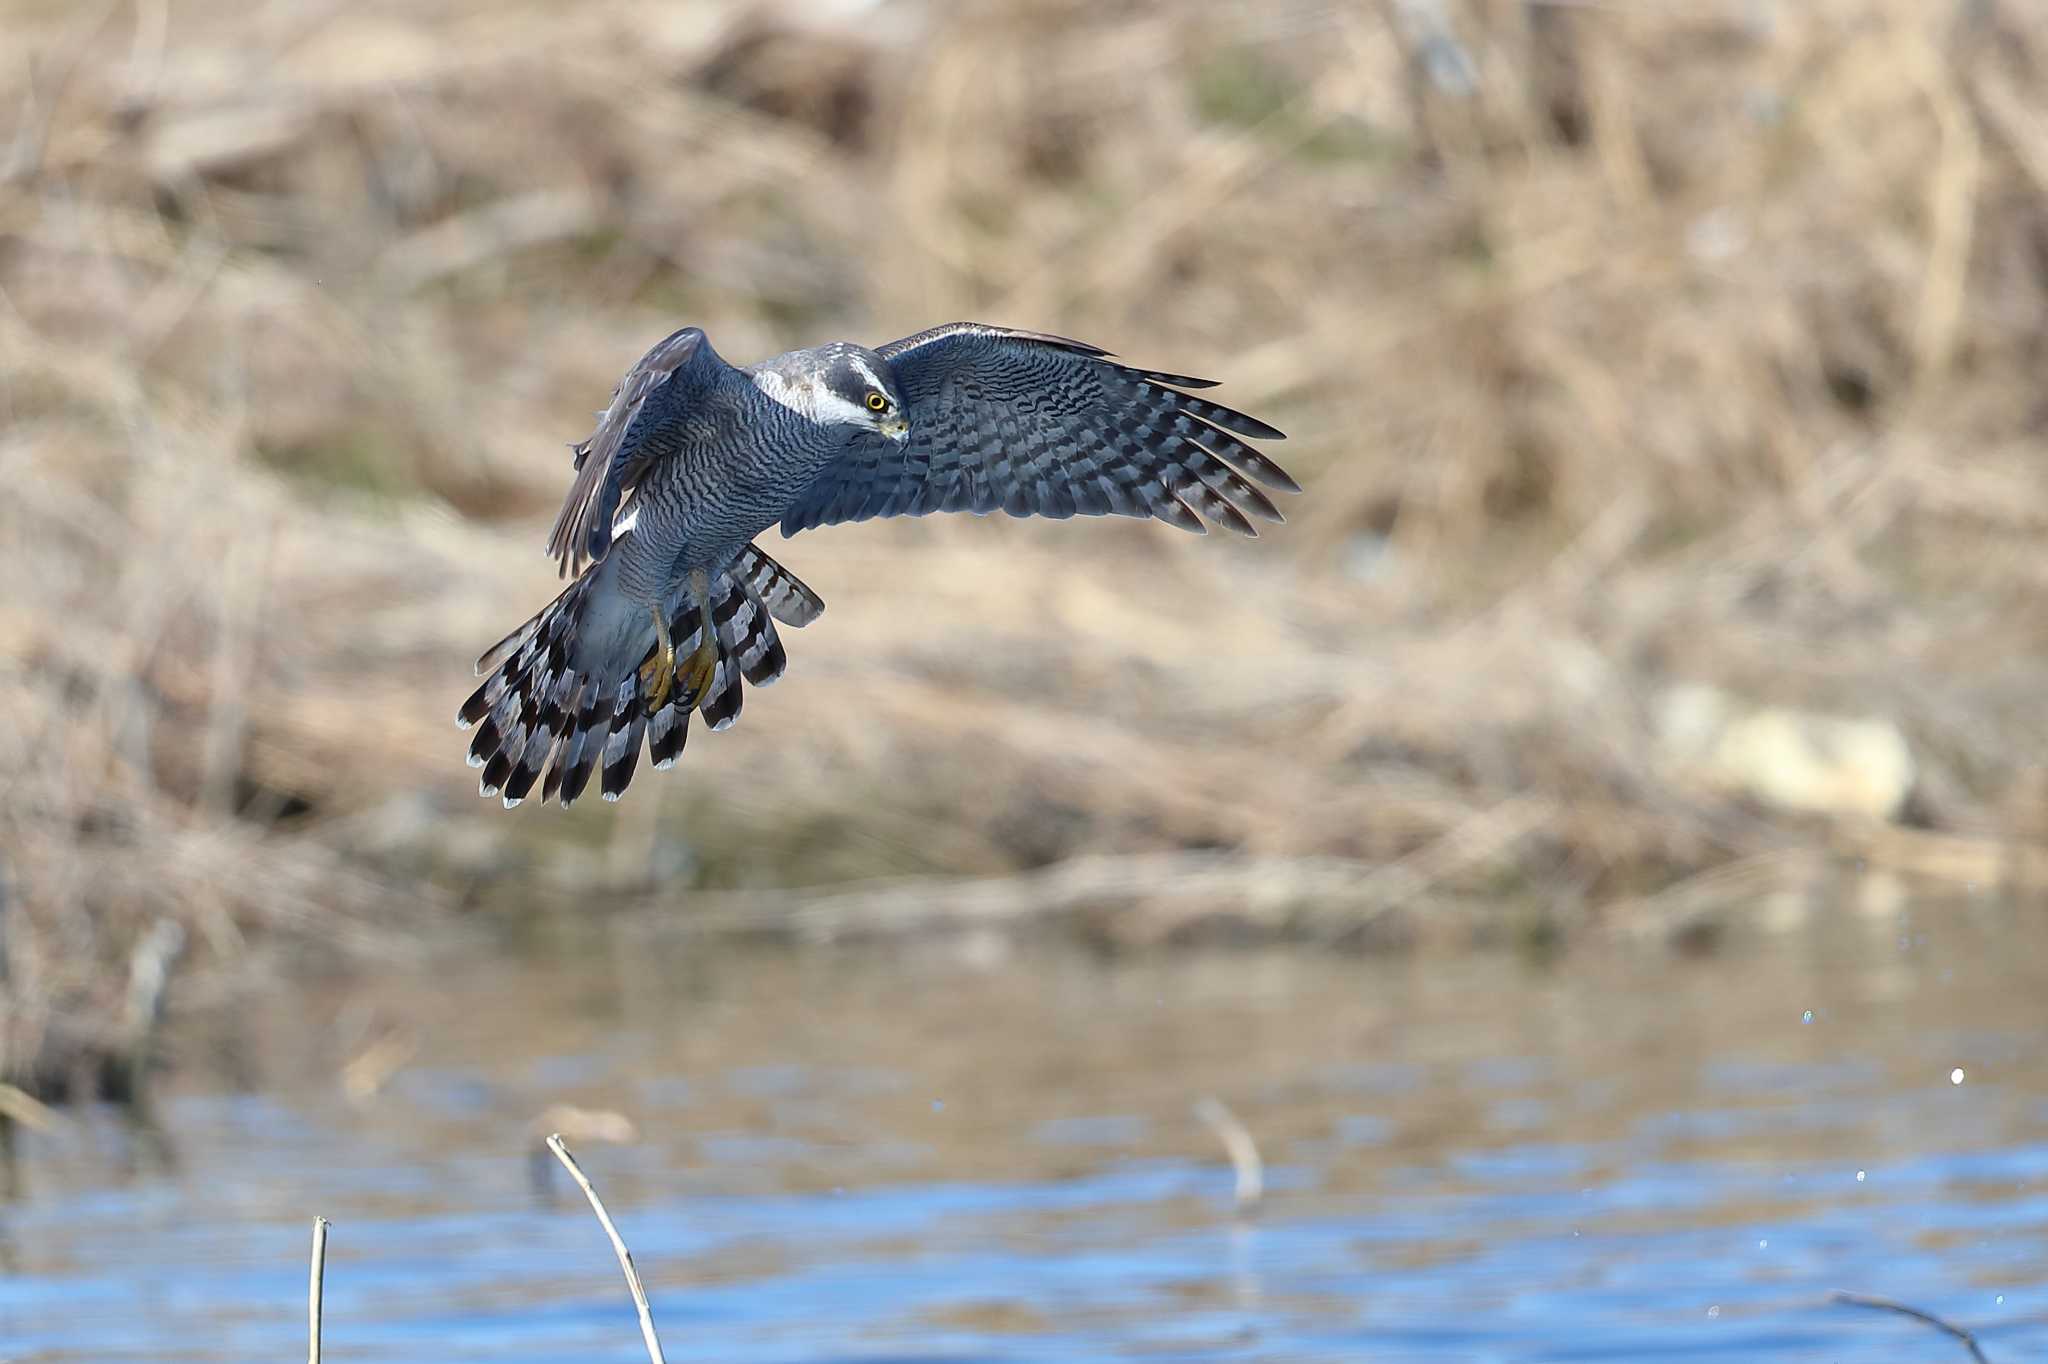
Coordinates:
(856, 388)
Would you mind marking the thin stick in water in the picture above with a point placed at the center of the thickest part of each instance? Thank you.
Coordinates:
(313, 1286)
(1890, 1305)
(1243, 1151)
(618, 1246)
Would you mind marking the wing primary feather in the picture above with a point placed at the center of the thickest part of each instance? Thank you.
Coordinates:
(1229, 418)
(1156, 376)
(1224, 445)
(1232, 486)
(1170, 509)
(1214, 506)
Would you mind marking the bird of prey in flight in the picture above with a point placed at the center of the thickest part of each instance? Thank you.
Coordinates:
(695, 457)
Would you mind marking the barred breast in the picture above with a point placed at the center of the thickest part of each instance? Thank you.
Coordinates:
(732, 466)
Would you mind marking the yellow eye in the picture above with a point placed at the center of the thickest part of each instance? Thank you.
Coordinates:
(876, 402)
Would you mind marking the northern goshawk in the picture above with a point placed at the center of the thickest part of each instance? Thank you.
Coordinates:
(694, 458)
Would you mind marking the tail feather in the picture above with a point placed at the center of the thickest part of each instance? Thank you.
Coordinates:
(548, 715)
(490, 658)
(749, 648)
(755, 641)
(721, 705)
(667, 732)
(491, 734)
(729, 604)
(781, 591)
(495, 772)
(481, 701)
(577, 754)
(622, 746)
(545, 740)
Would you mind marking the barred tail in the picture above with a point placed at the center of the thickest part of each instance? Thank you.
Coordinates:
(552, 703)
(528, 696)
(746, 601)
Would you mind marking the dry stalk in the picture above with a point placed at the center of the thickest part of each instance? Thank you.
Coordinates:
(1969, 1341)
(633, 1285)
(1243, 1151)
(315, 1284)
(19, 1106)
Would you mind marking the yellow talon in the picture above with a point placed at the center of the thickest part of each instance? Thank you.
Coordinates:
(697, 671)
(702, 665)
(658, 673)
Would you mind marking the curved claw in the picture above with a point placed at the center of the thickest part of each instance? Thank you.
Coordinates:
(697, 671)
(657, 678)
(658, 673)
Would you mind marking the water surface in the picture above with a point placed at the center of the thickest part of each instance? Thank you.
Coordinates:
(965, 1153)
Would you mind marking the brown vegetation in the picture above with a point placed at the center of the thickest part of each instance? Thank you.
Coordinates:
(1624, 347)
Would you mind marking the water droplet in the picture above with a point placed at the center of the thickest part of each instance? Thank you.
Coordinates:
(2001, 1299)
(1763, 1243)
(1955, 1077)
(1859, 1176)
(1715, 1310)
(1806, 1017)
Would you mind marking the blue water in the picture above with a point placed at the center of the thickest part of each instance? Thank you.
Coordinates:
(1653, 1191)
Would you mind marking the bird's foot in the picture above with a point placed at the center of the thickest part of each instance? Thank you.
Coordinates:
(696, 672)
(658, 673)
(658, 676)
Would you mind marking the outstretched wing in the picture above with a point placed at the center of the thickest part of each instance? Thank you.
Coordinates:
(619, 453)
(1038, 425)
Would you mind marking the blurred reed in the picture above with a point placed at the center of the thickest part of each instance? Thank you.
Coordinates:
(1625, 348)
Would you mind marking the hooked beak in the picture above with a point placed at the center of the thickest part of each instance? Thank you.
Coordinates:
(896, 428)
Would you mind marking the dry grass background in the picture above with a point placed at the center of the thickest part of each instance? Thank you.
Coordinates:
(1625, 346)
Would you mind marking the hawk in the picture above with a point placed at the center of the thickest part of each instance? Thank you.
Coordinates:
(695, 457)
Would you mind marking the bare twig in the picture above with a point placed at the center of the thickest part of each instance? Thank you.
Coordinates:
(618, 1246)
(149, 976)
(1244, 1152)
(313, 1287)
(1889, 1305)
(18, 1105)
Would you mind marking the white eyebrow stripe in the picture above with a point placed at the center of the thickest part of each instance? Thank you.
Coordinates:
(873, 380)
(830, 407)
